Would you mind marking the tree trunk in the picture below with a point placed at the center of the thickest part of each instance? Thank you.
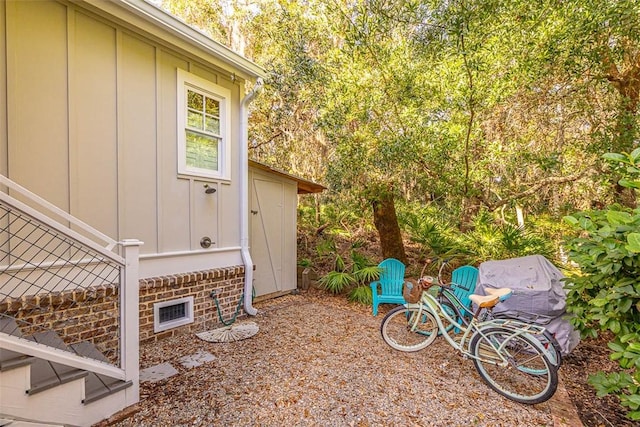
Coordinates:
(626, 80)
(386, 222)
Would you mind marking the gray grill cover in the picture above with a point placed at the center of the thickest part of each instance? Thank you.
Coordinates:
(538, 294)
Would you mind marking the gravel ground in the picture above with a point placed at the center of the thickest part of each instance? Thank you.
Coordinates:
(318, 360)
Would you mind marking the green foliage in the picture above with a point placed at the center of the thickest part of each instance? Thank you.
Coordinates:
(605, 289)
(351, 275)
(307, 217)
(430, 228)
(304, 262)
(605, 294)
(488, 238)
(337, 281)
(361, 295)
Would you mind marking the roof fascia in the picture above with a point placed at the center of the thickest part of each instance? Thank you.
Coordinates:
(304, 185)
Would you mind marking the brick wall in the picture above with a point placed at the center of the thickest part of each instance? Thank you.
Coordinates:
(228, 284)
(92, 314)
(89, 314)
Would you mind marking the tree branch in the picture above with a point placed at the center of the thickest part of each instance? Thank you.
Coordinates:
(554, 180)
(269, 141)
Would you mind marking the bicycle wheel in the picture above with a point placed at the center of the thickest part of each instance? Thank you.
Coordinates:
(447, 307)
(409, 329)
(529, 376)
(548, 341)
(553, 347)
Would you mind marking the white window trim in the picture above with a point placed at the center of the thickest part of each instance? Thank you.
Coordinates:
(222, 95)
(159, 327)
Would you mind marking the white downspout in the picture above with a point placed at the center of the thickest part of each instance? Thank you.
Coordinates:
(244, 196)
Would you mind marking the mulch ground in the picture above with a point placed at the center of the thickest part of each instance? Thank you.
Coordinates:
(589, 357)
(319, 360)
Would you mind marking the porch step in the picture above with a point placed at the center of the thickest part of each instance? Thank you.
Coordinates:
(9, 326)
(8, 422)
(11, 360)
(97, 386)
(46, 375)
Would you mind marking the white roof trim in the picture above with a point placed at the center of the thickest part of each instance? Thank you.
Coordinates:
(161, 19)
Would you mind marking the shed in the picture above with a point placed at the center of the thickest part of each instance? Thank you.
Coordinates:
(273, 224)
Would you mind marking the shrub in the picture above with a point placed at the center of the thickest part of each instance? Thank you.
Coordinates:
(605, 294)
(489, 239)
(351, 275)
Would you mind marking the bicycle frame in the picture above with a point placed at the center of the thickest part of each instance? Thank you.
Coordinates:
(429, 303)
(463, 312)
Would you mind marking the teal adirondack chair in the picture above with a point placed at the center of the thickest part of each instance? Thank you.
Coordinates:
(388, 289)
(463, 283)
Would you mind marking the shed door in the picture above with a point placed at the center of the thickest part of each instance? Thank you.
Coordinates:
(267, 221)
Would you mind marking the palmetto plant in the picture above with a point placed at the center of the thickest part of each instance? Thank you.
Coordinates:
(436, 236)
(490, 240)
(352, 275)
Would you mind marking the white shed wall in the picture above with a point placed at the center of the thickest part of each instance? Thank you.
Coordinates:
(273, 232)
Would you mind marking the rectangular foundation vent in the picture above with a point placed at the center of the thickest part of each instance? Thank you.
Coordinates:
(171, 314)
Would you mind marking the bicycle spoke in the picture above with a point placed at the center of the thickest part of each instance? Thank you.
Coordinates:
(529, 376)
(409, 329)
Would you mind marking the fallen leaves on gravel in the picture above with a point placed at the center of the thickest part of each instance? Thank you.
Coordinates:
(319, 360)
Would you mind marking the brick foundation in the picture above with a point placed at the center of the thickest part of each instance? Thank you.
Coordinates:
(92, 314)
(76, 315)
(228, 284)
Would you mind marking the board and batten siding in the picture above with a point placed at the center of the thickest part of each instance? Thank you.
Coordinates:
(4, 164)
(92, 126)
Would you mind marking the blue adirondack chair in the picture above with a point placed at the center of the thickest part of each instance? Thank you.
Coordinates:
(388, 289)
(463, 283)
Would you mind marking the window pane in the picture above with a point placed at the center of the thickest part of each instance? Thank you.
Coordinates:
(202, 151)
(194, 100)
(194, 120)
(213, 107)
(213, 125)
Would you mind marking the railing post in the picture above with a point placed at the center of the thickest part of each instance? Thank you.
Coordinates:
(130, 318)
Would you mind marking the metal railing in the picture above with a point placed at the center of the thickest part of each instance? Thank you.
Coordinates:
(65, 280)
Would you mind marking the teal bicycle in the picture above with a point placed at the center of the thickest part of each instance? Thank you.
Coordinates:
(505, 352)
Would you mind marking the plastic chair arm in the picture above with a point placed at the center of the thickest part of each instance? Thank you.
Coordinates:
(374, 286)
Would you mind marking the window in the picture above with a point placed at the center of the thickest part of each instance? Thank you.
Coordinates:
(203, 127)
(171, 314)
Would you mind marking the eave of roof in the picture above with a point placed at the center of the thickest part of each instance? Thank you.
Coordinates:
(304, 186)
(170, 24)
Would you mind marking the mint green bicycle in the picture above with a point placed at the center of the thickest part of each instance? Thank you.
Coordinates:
(506, 353)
